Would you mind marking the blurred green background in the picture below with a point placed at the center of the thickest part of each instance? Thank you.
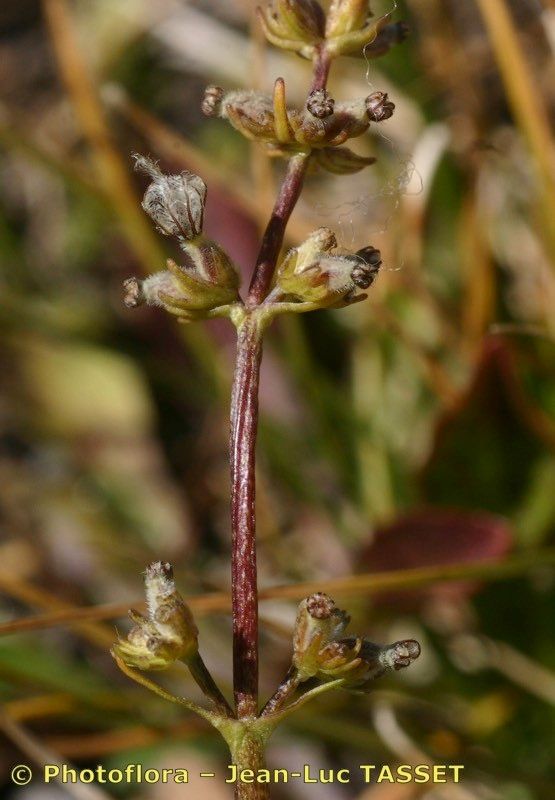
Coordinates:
(413, 431)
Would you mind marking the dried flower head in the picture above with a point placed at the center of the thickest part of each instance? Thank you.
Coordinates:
(266, 118)
(293, 24)
(315, 274)
(319, 652)
(320, 103)
(174, 202)
(375, 660)
(168, 633)
(348, 28)
(206, 281)
(319, 622)
(379, 107)
(212, 99)
(319, 129)
(364, 274)
(351, 27)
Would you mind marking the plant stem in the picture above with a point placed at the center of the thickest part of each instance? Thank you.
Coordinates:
(321, 70)
(248, 753)
(283, 693)
(142, 680)
(244, 424)
(244, 590)
(272, 240)
(206, 683)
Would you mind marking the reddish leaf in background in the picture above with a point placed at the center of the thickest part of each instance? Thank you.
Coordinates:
(431, 537)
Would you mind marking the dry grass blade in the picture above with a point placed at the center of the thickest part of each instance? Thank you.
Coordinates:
(374, 583)
(522, 670)
(525, 99)
(478, 308)
(353, 585)
(95, 745)
(43, 705)
(23, 591)
(14, 136)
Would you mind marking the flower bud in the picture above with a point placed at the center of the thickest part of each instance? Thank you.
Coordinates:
(133, 293)
(364, 274)
(348, 120)
(350, 28)
(345, 16)
(375, 660)
(312, 273)
(319, 622)
(211, 102)
(318, 652)
(168, 633)
(379, 107)
(320, 103)
(174, 202)
(322, 240)
(207, 281)
(323, 125)
(293, 24)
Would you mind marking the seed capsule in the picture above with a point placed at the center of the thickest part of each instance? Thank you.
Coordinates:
(133, 293)
(364, 274)
(318, 652)
(319, 622)
(293, 24)
(379, 107)
(314, 273)
(174, 202)
(377, 659)
(211, 102)
(320, 103)
(206, 281)
(345, 16)
(168, 633)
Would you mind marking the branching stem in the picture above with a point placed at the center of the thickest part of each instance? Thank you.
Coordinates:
(206, 683)
(272, 240)
(244, 424)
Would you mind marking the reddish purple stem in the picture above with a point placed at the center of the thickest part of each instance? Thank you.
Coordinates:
(322, 63)
(244, 425)
(272, 240)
